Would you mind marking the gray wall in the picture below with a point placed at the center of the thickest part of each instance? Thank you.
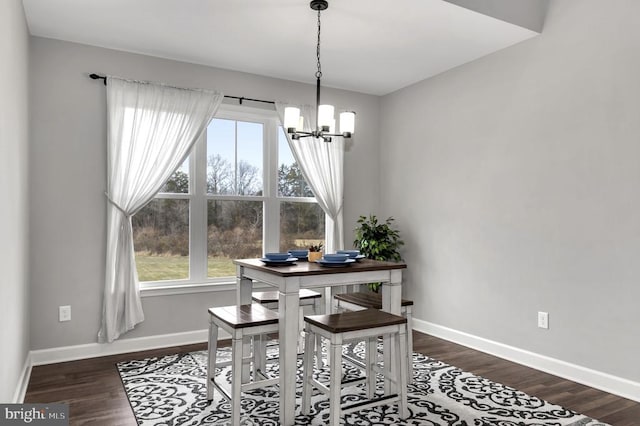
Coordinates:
(68, 168)
(514, 180)
(14, 114)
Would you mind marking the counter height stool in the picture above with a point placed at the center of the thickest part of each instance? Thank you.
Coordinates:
(370, 300)
(341, 328)
(270, 299)
(239, 321)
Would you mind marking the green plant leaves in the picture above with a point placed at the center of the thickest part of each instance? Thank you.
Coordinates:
(379, 241)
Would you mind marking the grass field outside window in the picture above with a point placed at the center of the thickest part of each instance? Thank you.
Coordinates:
(171, 267)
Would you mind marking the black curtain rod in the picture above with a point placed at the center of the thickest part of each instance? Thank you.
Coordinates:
(239, 98)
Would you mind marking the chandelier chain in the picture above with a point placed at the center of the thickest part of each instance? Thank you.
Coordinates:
(319, 72)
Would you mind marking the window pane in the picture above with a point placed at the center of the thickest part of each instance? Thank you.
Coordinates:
(234, 157)
(179, 180)
(221, 137)
(234, 231)
(301, 224)
(161, 240)
(249, 170)
(291, 183)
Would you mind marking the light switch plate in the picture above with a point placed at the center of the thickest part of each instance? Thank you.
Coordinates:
(64, 313)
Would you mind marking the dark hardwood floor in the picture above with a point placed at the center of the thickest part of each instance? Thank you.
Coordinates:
(95, 395)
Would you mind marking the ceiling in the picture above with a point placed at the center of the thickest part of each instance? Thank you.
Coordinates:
(368, 46)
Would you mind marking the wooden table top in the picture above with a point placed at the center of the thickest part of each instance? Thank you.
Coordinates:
(302, 268)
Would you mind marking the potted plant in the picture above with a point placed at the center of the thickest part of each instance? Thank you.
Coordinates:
(378, 240)
(315, 252)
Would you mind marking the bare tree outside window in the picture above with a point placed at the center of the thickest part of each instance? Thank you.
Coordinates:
(247, 179)
(219, 175)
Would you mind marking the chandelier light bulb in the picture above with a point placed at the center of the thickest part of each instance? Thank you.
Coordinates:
(292, 118)
(347, 122)
(325, 116)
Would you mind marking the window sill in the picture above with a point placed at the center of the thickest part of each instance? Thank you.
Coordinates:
(175, 289)
(171, 289)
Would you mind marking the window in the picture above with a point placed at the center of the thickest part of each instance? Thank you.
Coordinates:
(238, 195)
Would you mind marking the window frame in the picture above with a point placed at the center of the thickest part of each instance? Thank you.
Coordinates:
(198, 198)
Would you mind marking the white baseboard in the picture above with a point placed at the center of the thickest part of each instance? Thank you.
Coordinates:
(23, 382)
(92, 350)
(595, 379)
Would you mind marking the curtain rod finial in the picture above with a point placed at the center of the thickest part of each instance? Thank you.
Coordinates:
(95, 76)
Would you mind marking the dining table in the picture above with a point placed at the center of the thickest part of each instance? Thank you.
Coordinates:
(289, 278)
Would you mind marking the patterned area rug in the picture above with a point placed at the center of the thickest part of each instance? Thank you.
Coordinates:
(171, 390)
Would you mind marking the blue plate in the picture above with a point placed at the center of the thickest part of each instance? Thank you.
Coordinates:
(289, 261)
(340, 263)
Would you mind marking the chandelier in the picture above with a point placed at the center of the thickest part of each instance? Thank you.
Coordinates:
(325, 121)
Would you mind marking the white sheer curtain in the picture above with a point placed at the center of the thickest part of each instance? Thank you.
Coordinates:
(151, 129)
(321, 164)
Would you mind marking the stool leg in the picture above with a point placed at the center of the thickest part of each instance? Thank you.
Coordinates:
(371, 359)
(259, 354)
(236, 377)
(211, 365)
(335, 351)
(389, 359)
(307, 372)
(318, 351)
(402, 373)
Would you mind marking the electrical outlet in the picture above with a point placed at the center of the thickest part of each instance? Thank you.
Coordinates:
(543, 320)
(64, 313)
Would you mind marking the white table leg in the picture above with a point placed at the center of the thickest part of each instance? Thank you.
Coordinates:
(391, 302)
(212, 354)
(288, 310)
(244, 288)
